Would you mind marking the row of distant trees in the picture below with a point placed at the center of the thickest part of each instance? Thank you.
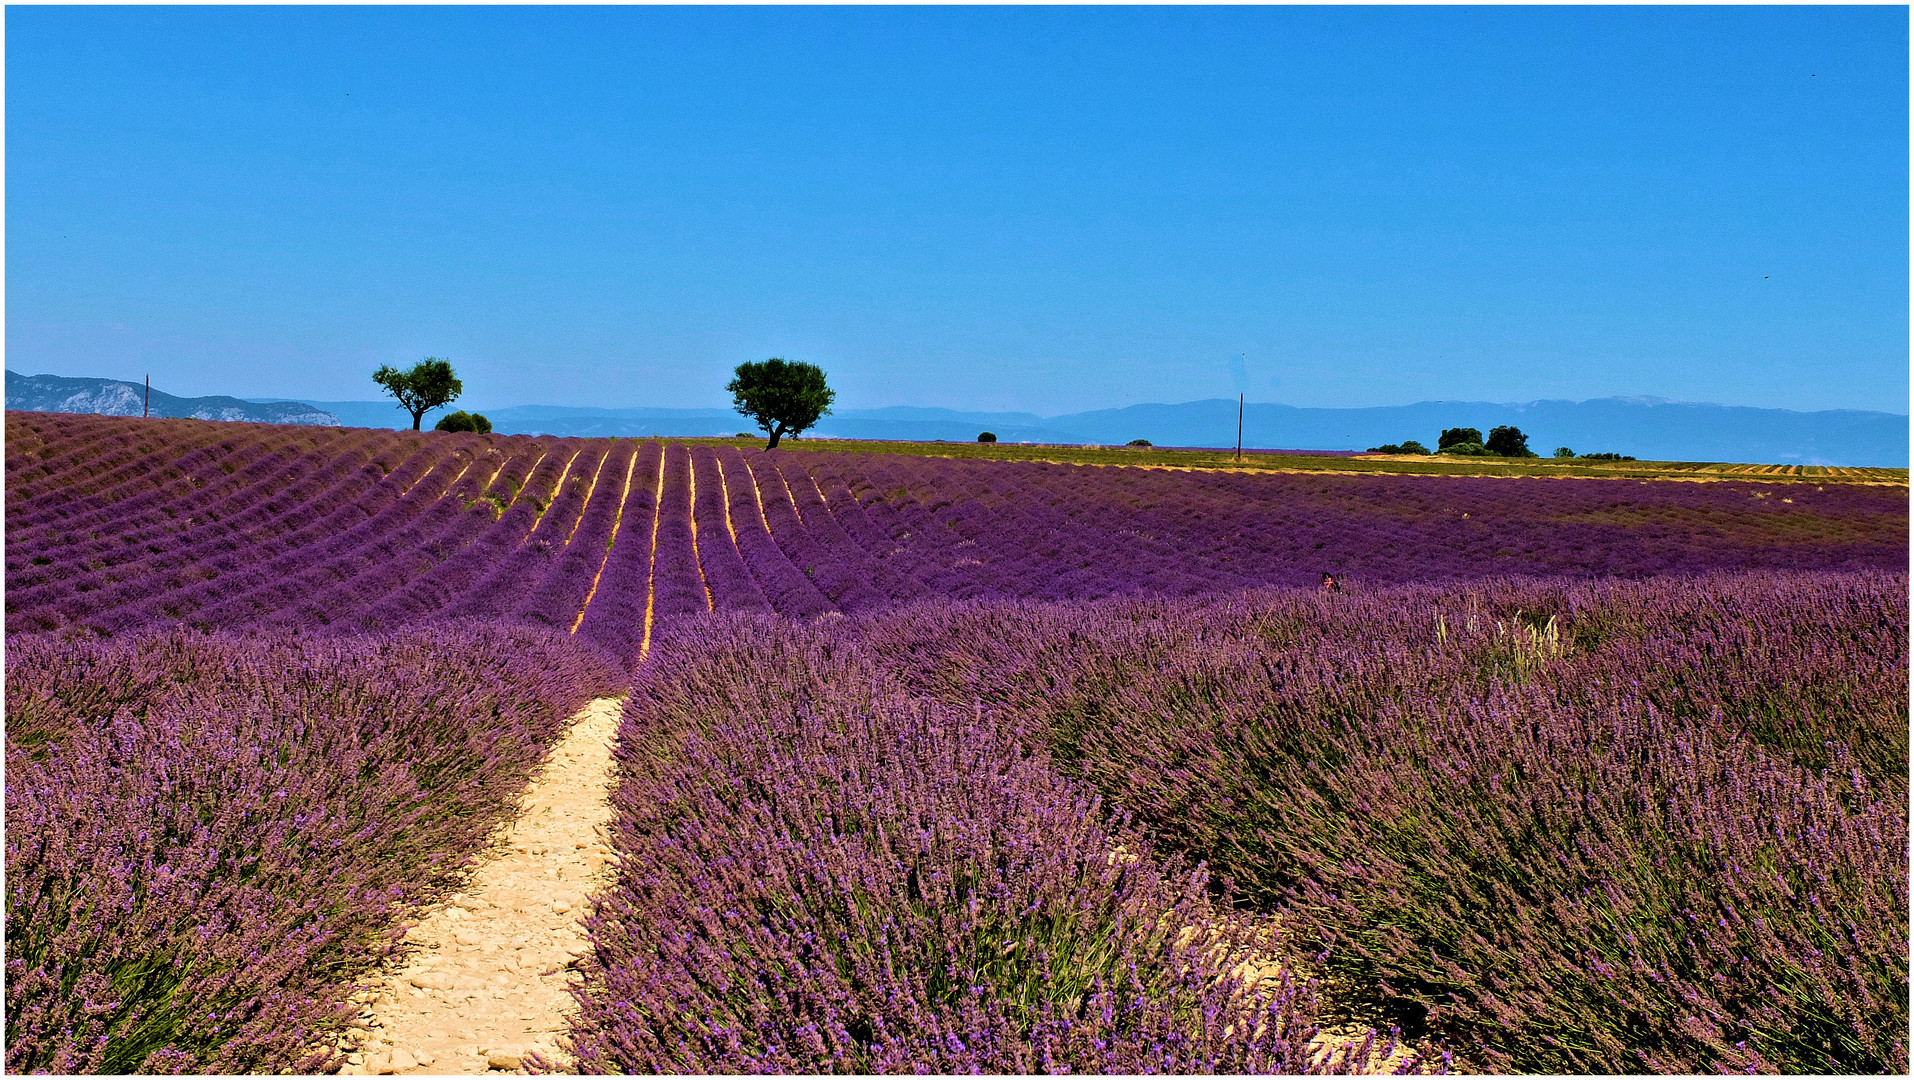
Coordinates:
(783, 397)
(1504, 442)
(788, 398)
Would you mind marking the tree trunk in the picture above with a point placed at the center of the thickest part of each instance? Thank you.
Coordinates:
(775, 432)
(416, 417)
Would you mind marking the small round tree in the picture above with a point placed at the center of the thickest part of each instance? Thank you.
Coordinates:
(1457, 436)
(429, 385)
(785, 398)
(464, 421)
(986, 436)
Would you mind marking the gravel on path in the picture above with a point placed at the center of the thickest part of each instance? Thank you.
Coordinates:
(487, 984)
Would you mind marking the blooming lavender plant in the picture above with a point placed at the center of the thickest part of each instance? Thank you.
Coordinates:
(209, 839)
(1649, 826)
(817, 877)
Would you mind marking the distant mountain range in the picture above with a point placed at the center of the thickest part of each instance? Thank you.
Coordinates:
(1653, 429)
(111, 397)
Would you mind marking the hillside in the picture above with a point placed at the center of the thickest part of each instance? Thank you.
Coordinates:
(1645, 428)
(112, 397)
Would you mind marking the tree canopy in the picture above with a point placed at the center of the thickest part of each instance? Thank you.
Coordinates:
(1458, 436)
(783, 397)
(429, 385)
(1508, 442)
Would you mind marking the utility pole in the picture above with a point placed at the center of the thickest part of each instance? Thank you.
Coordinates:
(1239, 427)
(147, 409)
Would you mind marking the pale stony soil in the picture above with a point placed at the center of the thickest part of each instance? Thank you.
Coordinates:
(488, 983)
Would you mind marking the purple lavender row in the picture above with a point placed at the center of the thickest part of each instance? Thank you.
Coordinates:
(815, 879)
(678, 582)
(59, 570)
(846, 589)
(180, 460)
(414, 553)
(180, 485)
(822, 524)
(614, 619)
(107, 456)
(453, 521)
(519, 555)
(511, 581)
(519, 490)
(786, 587)
(847, 505)
(212, 841)
(580, 543)
(180, 585)
(732, 587)
(172, 520)
(933, 549)
(1622, 827)
(416, 516)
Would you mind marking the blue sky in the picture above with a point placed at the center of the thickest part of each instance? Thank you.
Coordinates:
(1041, 209)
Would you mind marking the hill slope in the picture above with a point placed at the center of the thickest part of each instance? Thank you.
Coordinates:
(1648, 428)
(113, 397)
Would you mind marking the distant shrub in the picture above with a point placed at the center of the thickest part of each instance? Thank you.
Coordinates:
(1605, 457)
(464, 421)
(1564, 452)
(1409, 446)
(1457, 436)
(1138, 442)
(986, 436)
(746, 435)
(1466, 449)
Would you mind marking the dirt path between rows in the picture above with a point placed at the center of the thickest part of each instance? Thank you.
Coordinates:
(488, 983)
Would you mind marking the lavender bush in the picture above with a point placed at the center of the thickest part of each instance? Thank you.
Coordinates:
(1578, 828)
(817, 877)
(210, 838)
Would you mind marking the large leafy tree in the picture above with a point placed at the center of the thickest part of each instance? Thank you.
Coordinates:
(1509, 442)
(783, 397)
(429, 385)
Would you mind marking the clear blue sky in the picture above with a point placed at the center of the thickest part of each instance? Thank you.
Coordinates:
(1042, 209)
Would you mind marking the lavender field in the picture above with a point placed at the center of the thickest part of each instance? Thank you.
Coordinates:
(946, 765)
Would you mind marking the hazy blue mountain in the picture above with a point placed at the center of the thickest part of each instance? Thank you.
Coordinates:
(113, 397)
(373, 414)
(1643, 427)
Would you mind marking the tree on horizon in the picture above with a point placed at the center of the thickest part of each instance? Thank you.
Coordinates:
(429, 385)
(783, 397)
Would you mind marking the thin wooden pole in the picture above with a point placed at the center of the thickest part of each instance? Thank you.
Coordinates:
(147, 409)
(1239, 427)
